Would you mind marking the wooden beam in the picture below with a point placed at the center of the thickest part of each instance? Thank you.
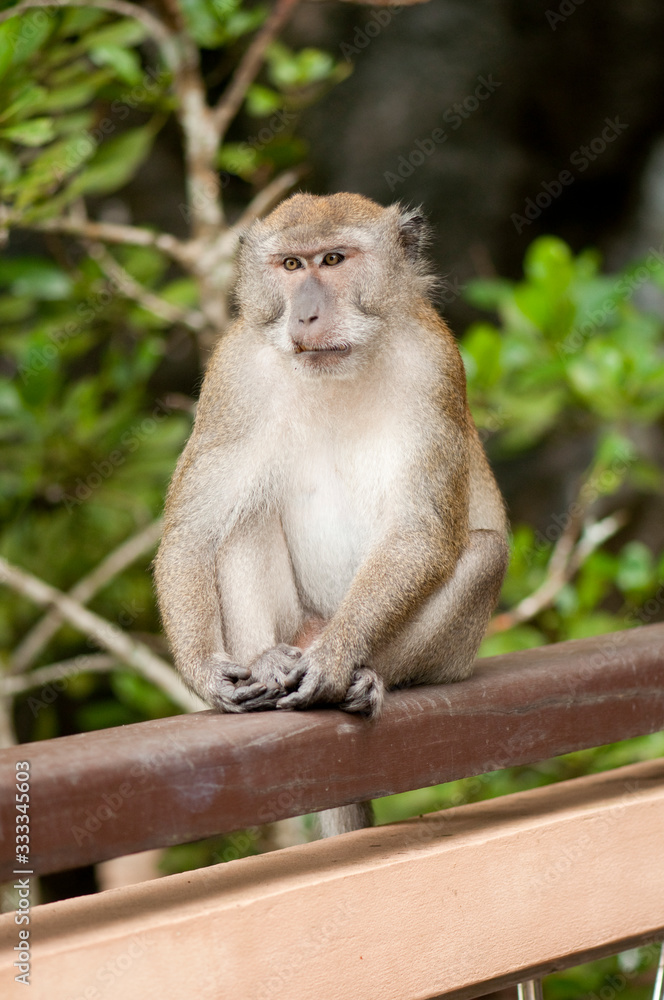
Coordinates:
(450, 904)
(117, 791)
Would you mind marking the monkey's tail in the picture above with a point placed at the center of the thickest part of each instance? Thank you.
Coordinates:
(345, 819)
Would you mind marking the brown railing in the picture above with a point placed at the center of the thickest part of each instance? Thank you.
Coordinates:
(101, 795)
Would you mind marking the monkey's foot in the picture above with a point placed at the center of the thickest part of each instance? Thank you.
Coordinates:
(365, 694)
(269, 678)
(317, 684)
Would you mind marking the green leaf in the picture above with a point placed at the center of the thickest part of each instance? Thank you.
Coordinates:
(520, 637)
(9, 166)
(262, 101)
(241, 22)
(77, 94)
(140, 695)
(615, 449)
(36, 132)
(548, 262)
(125, 34)
(29, 99)
(125, 62)
(50, 168)
(482, 344)
(35, 277)
(79, 20)
(486, 294)
(10, 401)
(78, 121)
(30, 31)
(181, 292)
(203, 21)
(598, 623)
(7, 31)
(115, 162)
(314, 65)
(636, 567)
(283, 66)
(238, 158)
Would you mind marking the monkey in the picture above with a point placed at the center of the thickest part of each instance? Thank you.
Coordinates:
(332, 529)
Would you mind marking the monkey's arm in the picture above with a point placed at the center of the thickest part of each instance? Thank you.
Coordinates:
(189, 604)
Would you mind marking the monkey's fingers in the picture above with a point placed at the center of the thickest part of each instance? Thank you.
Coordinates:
(223, 697)
(257, 700)
(294, 676)
(366, 693)
(308, 693)
(248, 691)
(234, 672)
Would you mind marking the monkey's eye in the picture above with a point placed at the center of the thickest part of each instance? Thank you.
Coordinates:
(292, 263)
(333, 258)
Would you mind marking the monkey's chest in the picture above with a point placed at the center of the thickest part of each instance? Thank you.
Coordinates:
(328, 521)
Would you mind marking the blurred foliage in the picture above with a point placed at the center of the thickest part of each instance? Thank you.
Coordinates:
(88, 443)
(71, 80)
(574, 356)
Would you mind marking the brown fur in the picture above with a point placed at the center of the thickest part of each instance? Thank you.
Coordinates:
(333, 527)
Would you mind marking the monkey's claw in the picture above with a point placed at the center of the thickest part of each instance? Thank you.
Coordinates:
(365, 694)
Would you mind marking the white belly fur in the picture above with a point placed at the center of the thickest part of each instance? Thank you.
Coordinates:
(329, 521)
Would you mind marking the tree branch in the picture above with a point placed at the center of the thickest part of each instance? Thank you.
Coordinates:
(104, 633)
(566, 559)
(131, 289)
(111, 232)
(89, 663)
(86, 588)
(269, 196)
(231, 100)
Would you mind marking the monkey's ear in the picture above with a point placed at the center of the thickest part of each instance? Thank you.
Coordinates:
(413, 232)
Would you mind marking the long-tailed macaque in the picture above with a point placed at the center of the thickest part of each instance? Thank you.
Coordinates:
(332, 528)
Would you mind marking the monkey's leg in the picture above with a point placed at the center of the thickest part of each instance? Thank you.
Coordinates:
(439, 643)
(261, 612)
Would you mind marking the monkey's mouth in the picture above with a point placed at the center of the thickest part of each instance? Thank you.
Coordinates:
(323, 351)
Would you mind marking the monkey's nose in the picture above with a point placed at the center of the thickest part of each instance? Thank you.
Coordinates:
(308, 320)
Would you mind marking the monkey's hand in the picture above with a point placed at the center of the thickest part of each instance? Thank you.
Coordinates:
(318, 684)
(268, 678)
(223, 679)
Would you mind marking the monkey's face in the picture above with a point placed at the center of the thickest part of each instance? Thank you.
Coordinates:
(321, 277)
(329, 319)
